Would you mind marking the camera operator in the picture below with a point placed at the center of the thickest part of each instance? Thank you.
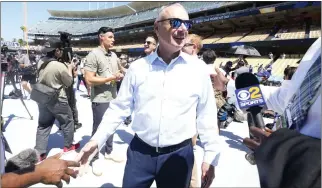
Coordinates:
(57, 75)
(29, 76)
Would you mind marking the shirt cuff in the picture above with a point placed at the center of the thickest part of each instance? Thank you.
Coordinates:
(100, 139)
(211, 158)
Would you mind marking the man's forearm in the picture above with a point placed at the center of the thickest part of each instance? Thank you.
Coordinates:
(100, 80)
(22, 178)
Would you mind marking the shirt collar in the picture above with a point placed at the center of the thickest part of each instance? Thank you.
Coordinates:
(154, 56)
(107, 53)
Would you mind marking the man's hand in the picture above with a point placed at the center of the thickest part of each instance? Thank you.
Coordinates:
(208, 175)
(53, 170)
(119, 76)
(219, 80)
(71, 66)
(86, 155)
(259, 134)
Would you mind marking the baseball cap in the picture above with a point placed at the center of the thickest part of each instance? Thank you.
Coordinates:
(51, 45)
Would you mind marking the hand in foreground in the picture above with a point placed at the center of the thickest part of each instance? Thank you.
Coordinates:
(86, 155)
(259, 134)
(208, 175)
(53, 170)
(219, 80)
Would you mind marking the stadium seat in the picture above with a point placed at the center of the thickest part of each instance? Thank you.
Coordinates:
(315, 32)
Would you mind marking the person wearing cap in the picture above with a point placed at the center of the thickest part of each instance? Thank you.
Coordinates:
(58, 75)
(102, 70)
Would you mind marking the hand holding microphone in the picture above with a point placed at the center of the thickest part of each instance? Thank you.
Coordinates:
(250, 97)
(259, 136)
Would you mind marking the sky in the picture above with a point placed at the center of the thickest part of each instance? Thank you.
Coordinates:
(12, 14)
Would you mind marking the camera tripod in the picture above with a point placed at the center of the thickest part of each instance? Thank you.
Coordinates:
(11, 77)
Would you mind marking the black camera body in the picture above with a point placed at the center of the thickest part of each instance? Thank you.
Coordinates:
(65, 39)
(4, 64)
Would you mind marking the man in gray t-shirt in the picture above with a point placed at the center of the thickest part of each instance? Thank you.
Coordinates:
(28, 78)
(101, 73)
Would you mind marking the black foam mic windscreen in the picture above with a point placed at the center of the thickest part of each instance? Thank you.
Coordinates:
(24, 159)
(246, 80)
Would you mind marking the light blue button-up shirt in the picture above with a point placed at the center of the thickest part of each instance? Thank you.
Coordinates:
(170, 104)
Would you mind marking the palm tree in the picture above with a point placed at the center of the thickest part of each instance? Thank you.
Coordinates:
(23, 28)
(2, 39)
(21, 42)
(14, 40)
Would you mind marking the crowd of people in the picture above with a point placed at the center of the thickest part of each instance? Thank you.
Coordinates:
(149, 93)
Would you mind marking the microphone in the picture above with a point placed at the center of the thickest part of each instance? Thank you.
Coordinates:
(250, 97)
(24, 159)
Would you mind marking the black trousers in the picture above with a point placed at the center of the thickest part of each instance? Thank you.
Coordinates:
(72, 103)
(99, 110)
(47, 115)
(144, 165)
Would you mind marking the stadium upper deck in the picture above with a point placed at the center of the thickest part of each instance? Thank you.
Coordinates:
(83, 22)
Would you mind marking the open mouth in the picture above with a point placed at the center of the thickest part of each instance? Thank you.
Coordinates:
(179, 38)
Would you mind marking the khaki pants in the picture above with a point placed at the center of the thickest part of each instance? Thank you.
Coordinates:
(194, 176)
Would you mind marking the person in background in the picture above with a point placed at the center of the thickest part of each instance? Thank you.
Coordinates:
(101, 73)
(288, 72)
(29, 78)
(150, 45)
(80, 76)
(193, 47)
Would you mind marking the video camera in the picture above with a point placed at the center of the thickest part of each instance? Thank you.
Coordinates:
(66, 44)
(4, 64)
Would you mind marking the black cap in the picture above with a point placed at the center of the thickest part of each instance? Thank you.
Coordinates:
(51, 45)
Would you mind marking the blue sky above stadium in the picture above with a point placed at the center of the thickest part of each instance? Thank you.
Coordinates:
(12, 14)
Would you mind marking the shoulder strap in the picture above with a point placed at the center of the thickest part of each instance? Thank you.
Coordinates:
(46, 62)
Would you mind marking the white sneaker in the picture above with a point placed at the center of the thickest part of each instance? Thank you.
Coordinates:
(113, 157)
(97, 168)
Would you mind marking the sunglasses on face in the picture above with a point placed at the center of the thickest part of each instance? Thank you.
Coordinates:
(175, 23)
(148, 42)
(188, 44)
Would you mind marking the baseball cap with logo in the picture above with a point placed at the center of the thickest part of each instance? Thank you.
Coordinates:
(51, 45)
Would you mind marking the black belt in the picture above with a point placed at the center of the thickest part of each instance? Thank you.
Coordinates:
(168, 149)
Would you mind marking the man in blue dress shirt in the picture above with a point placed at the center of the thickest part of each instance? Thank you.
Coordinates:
(158, 89)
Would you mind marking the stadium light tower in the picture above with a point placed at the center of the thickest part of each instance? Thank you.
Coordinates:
(25, 24)
(131, 9)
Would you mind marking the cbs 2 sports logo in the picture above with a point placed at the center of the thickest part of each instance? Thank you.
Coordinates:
(250, 96)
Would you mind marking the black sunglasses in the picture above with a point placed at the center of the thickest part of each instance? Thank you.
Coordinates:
(176, 23)
(148, 42)
(188, 44)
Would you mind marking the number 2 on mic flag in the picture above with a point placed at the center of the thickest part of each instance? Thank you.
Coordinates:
(249, 96)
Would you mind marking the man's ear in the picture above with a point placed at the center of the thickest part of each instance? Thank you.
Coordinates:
(194, 46)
